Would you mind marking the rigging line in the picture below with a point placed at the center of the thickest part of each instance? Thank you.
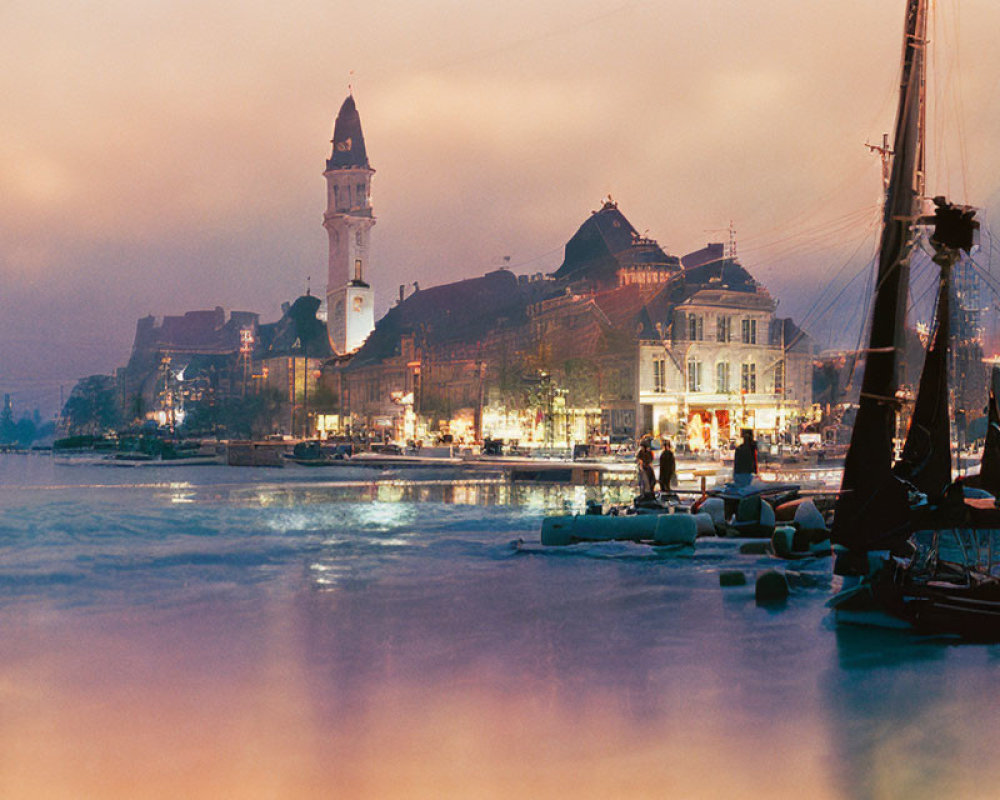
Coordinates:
(851, 216)
(950, 87)
(915, 302)
(807, 318)
(886, 106)
(535, 258)
(991, 281)
(851, 179)
(959, 99)
(863, 328)
(827, 240)
(829, 306)
(767, 261)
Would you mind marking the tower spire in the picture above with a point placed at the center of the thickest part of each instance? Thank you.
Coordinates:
(348, 221)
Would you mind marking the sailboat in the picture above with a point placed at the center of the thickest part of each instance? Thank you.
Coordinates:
(914, 551)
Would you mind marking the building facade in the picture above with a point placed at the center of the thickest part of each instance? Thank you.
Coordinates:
(724, 362)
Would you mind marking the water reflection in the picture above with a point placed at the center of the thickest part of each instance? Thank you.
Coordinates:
(912, 717)
(392, 640)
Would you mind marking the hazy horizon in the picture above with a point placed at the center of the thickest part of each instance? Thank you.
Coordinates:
(159, 158)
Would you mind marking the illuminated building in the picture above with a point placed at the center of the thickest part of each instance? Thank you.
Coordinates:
(716, 359)
(289, 357)
(348, 221)
(184, 360)
(623, 339)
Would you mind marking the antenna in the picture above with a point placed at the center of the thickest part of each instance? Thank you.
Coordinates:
(732, 239)
(886, 153)
(350, 81)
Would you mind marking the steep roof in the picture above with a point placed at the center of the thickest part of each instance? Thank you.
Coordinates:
(348, 140)
(720, 273)
(605, 243)
(297, 334)
(465, 310)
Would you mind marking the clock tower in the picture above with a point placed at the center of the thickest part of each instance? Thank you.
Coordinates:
(348, 220)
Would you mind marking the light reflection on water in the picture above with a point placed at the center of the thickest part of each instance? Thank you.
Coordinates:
(303, 638)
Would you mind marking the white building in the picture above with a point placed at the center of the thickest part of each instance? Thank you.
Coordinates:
(348, 221)
(719, 360)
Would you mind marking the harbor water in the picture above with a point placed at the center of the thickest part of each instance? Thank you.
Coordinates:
(215, 631)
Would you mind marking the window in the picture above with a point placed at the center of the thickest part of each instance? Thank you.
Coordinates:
(722, 377)
(357, 269)
(694, 375)
(359, 194)
(748, 382)
(659, 375)
(723, 329)
(358, 238)
(696, 329)
(779, 377)
(749, 331)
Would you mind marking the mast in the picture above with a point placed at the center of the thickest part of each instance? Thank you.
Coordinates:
(926, 457)
(989, 470)
(872, 503)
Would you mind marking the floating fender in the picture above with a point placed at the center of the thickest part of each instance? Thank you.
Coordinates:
(557, 530)
(715, 507)
(783, 541)
(704, 524)
(676, 529)
(771, 588)
(807, 516)
(766, 514)
(732, 577)
(785, 512)
(821, 548)
(631, 527)
(567, 529)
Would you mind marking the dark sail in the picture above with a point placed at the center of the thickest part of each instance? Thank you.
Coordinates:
(872, 505)
(989, 470)
(926, 458)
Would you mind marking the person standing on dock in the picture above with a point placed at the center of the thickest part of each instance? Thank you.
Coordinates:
(745, 459)
(668, 466)
(644, 460)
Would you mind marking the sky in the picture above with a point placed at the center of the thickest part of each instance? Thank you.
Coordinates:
(164, 156)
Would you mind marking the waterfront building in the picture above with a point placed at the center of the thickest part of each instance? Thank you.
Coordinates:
(348, 221)
(623, 339)
(289, 356)
(433, 356)
(185, 360)
(716, 359)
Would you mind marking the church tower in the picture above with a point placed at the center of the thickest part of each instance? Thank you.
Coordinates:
(348, 220)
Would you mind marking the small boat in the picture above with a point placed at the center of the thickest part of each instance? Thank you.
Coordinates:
(316, 454)
(914, 548)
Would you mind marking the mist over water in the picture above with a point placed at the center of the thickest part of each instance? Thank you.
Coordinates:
(214, 631)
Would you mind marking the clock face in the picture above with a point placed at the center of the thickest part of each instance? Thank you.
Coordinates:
(344, 146)
(338, 309)
(358, 303)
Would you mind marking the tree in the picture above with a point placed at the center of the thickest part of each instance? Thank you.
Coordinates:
(7, 427)
(93, 406)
